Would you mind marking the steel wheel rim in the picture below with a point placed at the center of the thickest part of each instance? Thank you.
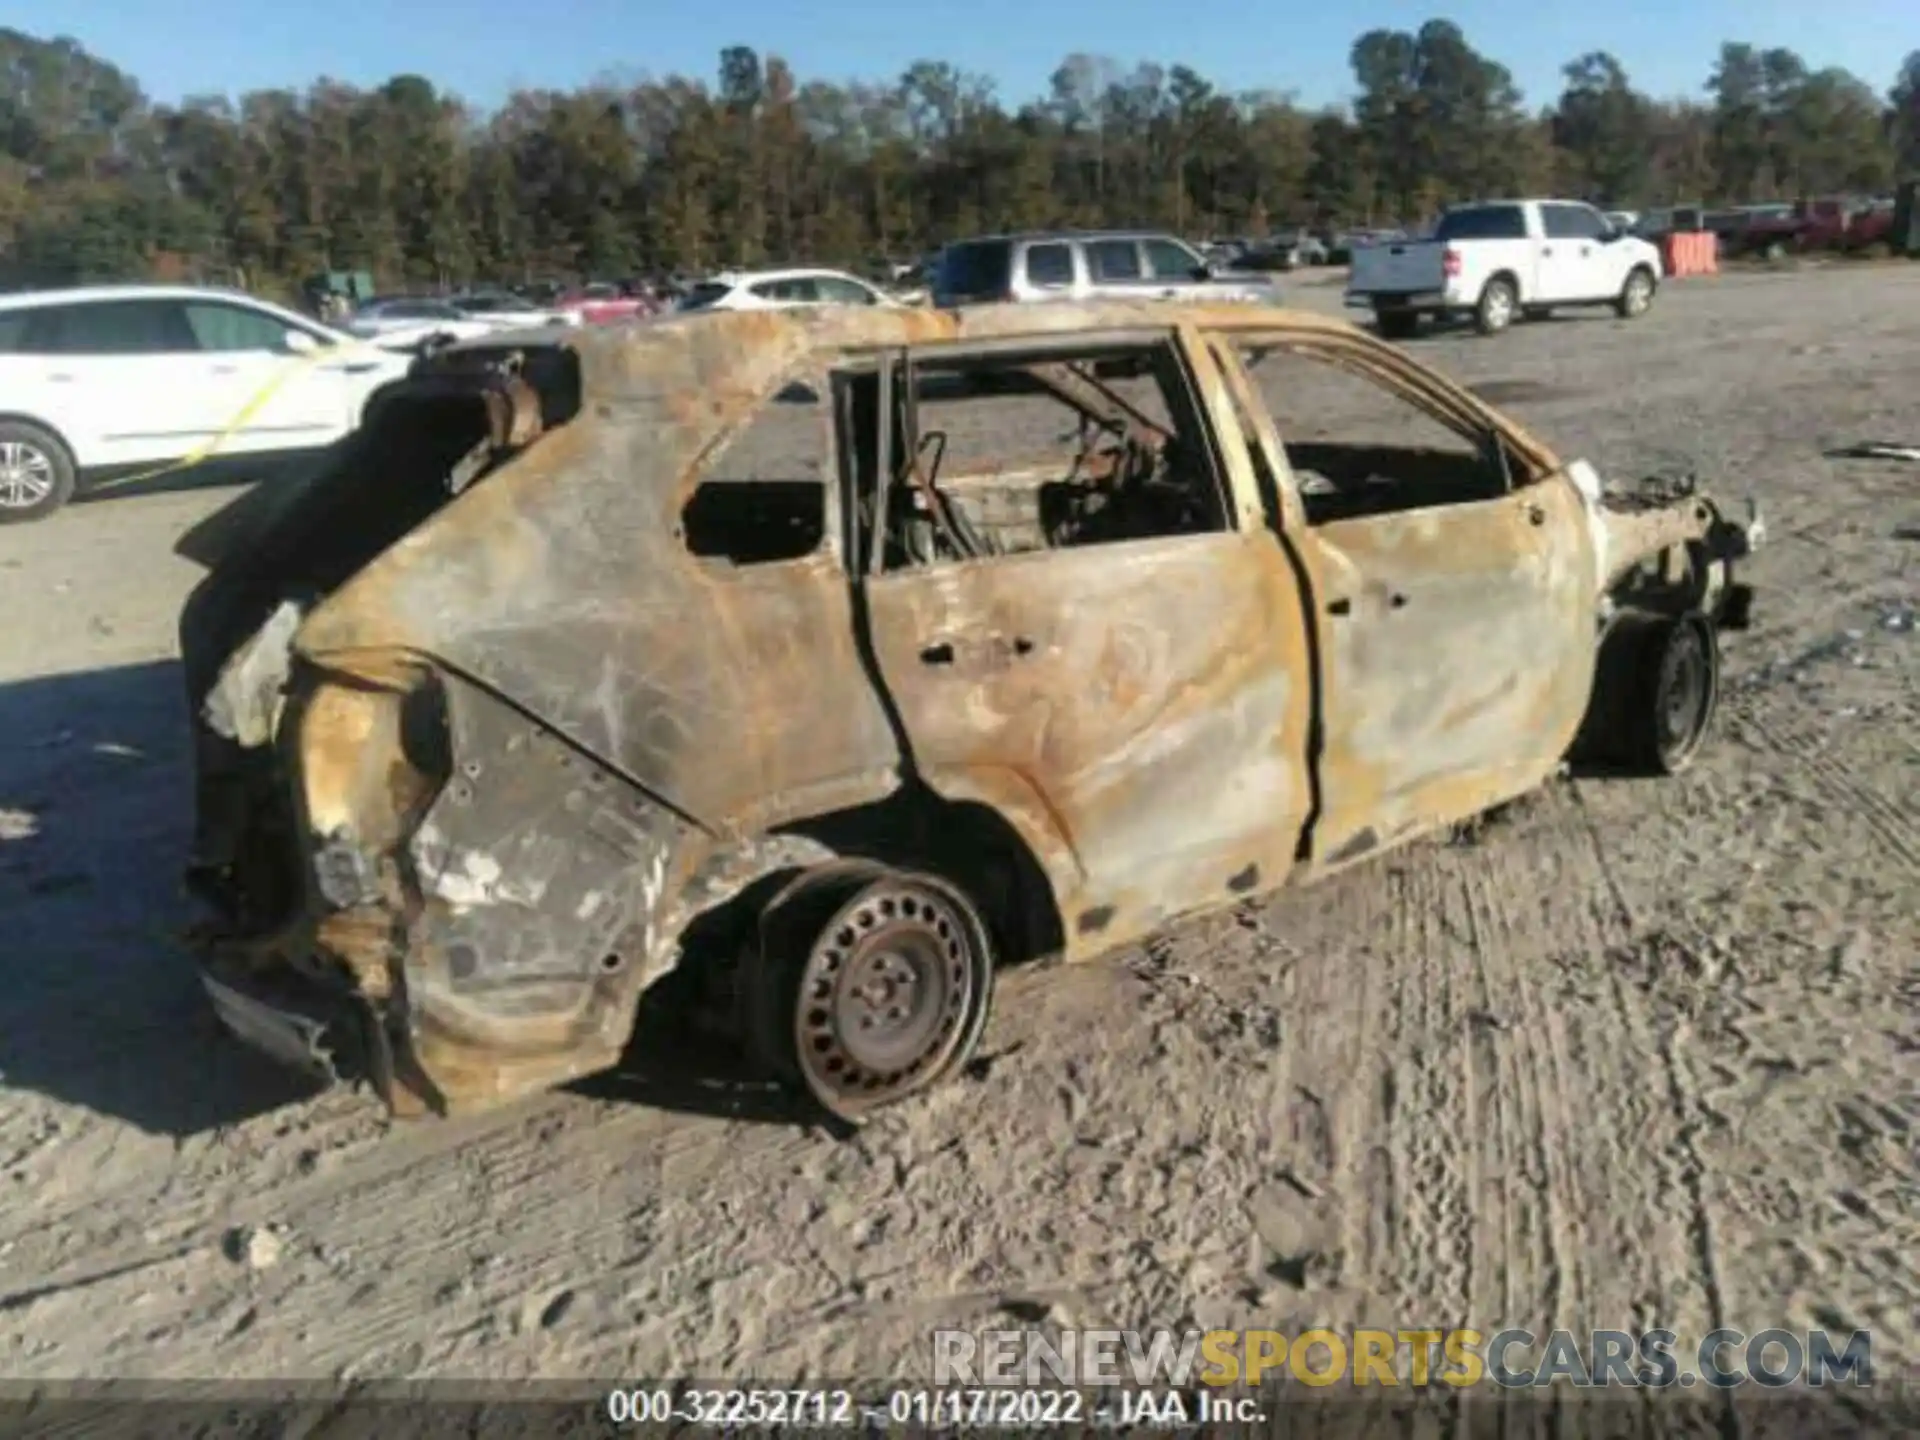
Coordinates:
(26, 475)
(885, 995)
(1683, 691)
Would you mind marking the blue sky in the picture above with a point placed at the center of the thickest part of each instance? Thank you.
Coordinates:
(482, 49)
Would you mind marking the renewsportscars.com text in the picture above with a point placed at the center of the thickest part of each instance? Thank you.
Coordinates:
(1505, 1359)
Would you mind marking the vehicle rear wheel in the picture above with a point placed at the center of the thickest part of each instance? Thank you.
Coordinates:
(1498, 304)
(870, 986)
(1636, 294)
(1396, 324)
(36, 473)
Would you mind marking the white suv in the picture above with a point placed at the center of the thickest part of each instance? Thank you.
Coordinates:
(138, 376)
(781, 290)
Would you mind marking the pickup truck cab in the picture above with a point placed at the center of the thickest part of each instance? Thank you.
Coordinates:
(1496, 260)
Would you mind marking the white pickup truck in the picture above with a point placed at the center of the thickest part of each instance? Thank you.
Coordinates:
(1495, 260)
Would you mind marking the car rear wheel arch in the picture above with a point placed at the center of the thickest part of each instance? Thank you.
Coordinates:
(965, 841)
(966, 844)
(1499, 302)
(47, 438)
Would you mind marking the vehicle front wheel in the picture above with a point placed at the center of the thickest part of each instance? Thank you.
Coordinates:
(869, 986)
(36, 473)
(1656, 690)
(1498, 304)
(1636, 294)
(1678, 694)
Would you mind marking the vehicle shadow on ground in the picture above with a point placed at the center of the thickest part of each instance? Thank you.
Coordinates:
(678, 1064)
(268, 469)
(101, 1007)
(1434, 331)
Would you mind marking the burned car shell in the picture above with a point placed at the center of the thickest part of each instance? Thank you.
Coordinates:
(495, 771)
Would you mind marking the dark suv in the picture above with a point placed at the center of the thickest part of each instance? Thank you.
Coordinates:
(1082, 265)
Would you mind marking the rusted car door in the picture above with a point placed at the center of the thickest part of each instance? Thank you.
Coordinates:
(1455, 636)
(1137, 708)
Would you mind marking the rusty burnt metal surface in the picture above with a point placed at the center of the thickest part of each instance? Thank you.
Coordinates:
(482, 745)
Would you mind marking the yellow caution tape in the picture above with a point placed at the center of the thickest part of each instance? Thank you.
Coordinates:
(299, 365)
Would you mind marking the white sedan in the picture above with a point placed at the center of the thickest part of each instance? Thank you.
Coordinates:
(402, 323)
(113, 383)
(781, 290)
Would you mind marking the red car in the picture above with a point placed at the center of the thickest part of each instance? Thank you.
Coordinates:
(601, 304)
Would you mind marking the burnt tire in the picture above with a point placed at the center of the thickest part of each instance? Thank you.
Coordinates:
(868, 985)
(1679, 694)
(36, 472)
(1397, 324)
(1499, 302)
(1636, 294)
(1656, 691)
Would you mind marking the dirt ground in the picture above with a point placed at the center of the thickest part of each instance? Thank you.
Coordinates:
(1640, 1054)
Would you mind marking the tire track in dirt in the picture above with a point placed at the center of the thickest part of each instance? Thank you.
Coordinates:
(447, 1193)
(1430, 1119)
(1511, 1061)
(1332, 1068)
(1890, 820)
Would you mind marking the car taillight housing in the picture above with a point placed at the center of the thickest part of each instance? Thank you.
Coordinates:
(1449, 262)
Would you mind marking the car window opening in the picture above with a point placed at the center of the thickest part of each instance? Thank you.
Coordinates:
(762, 498)
(1117, 453)
(1357, 449)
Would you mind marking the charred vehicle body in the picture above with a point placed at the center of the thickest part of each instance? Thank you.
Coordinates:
(565, 677)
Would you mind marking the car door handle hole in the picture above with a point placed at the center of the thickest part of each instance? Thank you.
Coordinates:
(1022, 645)
(1339, 607)
(938, 654)
(1397, 600)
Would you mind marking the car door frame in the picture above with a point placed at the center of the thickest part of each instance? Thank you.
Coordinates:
(1573, 267)
(280, 399)
(780, 302)
(1407, 741)
(1186, 285)
(1252, 699)
(150, 377)
(1138, 287)
(870, 297)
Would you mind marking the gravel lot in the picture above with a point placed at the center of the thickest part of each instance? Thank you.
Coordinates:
(1639, 1055)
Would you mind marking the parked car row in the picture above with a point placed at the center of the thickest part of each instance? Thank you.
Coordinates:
(112, 379)
(405, 322)
(1774, 231)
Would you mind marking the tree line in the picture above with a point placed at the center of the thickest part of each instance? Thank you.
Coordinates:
(759, 165)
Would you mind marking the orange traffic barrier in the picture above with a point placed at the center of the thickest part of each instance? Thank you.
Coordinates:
(1690, 252)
